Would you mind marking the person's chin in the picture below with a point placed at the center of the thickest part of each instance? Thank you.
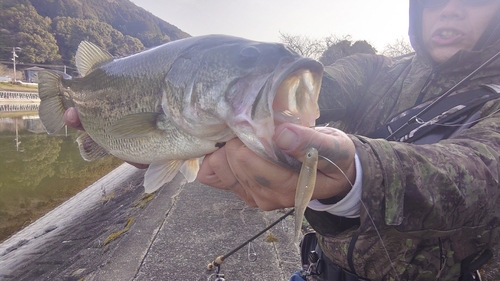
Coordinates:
(443, 53)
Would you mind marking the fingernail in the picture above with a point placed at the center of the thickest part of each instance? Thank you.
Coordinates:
(287, 139)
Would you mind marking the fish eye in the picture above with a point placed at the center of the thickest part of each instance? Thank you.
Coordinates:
(248, 56)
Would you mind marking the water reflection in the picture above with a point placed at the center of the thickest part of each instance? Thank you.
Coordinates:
(39, 171)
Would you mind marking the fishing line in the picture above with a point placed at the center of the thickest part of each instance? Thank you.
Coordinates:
(368, 214)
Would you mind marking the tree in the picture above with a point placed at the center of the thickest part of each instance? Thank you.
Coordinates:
(124, 16)
(328, 49)
(4, 71)
(29, 31)
(400, 47)
(303, 45)
(118, 26)
(71, 31)
(55, 8)
(34, 48)
(343, 47)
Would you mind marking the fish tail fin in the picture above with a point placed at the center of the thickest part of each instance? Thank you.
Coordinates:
(53, 101)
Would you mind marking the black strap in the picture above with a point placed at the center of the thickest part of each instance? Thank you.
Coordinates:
(350, 253)
(471, 264)
(311, 253)
(307, 245)
(440, 121)
(331, 271)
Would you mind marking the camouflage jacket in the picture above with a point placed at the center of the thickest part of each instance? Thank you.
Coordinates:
(432, 205)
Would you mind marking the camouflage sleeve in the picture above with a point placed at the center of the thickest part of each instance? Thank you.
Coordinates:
(450, 185)
(344, 81)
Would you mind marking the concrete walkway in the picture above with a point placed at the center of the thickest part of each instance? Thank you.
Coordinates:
(112, 231)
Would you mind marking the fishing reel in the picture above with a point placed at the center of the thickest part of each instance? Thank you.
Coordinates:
(219, 277)
(216, 265)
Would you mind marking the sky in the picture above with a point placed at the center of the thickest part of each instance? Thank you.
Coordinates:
(378, 22)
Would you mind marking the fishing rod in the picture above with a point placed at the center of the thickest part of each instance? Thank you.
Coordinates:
(447, 93)
(220, 259)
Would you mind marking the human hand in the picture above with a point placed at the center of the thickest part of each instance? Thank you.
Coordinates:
(269, 186)
(72, 120)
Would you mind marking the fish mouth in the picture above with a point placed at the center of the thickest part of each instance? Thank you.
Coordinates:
(290, 95)
(295, 93)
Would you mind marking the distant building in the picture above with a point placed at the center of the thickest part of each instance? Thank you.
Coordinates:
(31, 74)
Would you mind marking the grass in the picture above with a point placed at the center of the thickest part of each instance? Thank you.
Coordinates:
(271, 238)
(17, 87)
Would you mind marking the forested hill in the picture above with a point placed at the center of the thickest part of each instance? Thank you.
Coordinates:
(49, 31)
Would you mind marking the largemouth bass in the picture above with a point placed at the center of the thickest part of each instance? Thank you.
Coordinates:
(171, 105)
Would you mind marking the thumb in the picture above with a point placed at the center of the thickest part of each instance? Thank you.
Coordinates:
(294, 139)
(331, 143)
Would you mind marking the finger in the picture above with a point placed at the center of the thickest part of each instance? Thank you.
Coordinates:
(331, 143)
(336, 151)
(269, 185)
(336, 148)
(240, 186)
(139, 166)
(71, 118)
(215, 171)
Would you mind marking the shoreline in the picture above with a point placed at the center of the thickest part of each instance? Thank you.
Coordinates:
(125, 234)
(58, 218)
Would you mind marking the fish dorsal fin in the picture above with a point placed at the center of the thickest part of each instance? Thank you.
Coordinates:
(90, 56)
(134, 125)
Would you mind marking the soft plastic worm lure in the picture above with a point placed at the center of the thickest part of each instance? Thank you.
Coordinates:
(305, 187)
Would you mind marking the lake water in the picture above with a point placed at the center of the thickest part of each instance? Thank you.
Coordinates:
(39, 171)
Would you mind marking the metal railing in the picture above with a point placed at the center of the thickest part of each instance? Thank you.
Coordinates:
(12, 107)
(28, 96)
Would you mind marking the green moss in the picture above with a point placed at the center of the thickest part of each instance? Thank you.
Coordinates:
(117, 234)
(271, 238)
(144, 200)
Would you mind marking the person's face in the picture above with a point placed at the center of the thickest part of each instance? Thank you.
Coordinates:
(455, 26)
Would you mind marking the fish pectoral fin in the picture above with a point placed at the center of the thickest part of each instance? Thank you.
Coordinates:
(89, 149)
(190, 169)
(159, 173)
(89, 56)
(134, 125)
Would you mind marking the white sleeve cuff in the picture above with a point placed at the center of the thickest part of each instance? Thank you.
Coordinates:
(350, 205)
